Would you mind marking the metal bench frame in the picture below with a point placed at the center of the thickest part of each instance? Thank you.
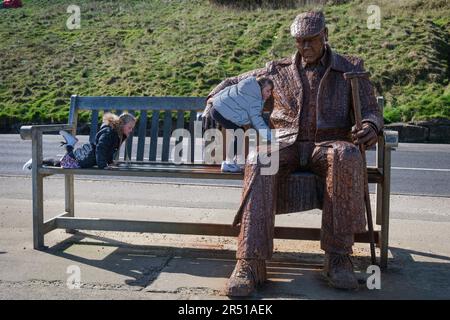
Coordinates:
(380, 174)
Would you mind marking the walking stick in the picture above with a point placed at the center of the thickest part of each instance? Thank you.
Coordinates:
(353, 77)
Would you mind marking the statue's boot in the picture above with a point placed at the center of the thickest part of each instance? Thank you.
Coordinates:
(338, 270)
(246, 276)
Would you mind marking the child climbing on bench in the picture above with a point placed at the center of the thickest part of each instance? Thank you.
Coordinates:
(239, 105)
(113, 132)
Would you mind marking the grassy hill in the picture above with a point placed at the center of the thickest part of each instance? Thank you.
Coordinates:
(182, 47)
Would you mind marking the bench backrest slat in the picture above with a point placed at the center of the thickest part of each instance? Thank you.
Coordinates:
(180, 119)
(180, 125)
(129, 143)
(192, 118)
(141, 136)
(154, 135)
(166, 135)
(73, 113)
(94, 126)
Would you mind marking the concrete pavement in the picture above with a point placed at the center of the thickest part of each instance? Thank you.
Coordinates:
(116, 265)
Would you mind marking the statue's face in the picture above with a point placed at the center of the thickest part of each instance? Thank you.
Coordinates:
(311, 48)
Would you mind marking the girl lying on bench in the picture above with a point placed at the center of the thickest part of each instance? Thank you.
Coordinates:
(113, 132)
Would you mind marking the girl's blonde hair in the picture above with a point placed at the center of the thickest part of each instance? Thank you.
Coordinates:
(117, 122)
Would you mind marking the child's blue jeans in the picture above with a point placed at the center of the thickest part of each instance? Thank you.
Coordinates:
(227, 124)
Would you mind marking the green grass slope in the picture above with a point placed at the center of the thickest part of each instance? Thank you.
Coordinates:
(181, 47)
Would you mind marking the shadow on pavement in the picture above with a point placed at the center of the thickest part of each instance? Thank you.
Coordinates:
(411, 274)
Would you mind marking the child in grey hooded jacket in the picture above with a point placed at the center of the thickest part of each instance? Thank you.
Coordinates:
(239, 105)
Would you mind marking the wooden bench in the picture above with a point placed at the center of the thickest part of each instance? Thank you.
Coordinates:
(156, 113)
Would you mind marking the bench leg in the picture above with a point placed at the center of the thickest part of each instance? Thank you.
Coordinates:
(379, 186)
(38, 191)
(69, 198)
(386, 190)
(379, 189)
(379, 203)
(38, 212)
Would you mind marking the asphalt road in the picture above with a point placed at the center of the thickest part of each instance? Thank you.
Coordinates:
(417, 169)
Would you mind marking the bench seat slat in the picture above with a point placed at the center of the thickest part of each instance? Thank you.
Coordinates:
(140, 172)
(161, 169)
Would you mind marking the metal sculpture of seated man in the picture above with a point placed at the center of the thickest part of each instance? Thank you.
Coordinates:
(311, 107)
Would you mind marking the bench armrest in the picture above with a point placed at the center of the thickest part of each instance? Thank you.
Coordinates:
(390, 138)
(26, 131)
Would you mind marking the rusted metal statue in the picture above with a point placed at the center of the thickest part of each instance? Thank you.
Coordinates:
(312, 109)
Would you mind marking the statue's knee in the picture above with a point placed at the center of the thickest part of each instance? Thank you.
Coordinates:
(350, 154)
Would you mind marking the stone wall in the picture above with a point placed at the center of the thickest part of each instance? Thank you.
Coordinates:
(435, 131)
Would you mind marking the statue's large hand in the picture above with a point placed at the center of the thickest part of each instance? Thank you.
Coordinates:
(367, 136)
(207, 120)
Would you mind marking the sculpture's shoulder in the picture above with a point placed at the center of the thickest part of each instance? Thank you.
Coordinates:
(275, 65)
(347, 63)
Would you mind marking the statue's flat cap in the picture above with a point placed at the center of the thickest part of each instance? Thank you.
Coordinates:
(308, 24)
